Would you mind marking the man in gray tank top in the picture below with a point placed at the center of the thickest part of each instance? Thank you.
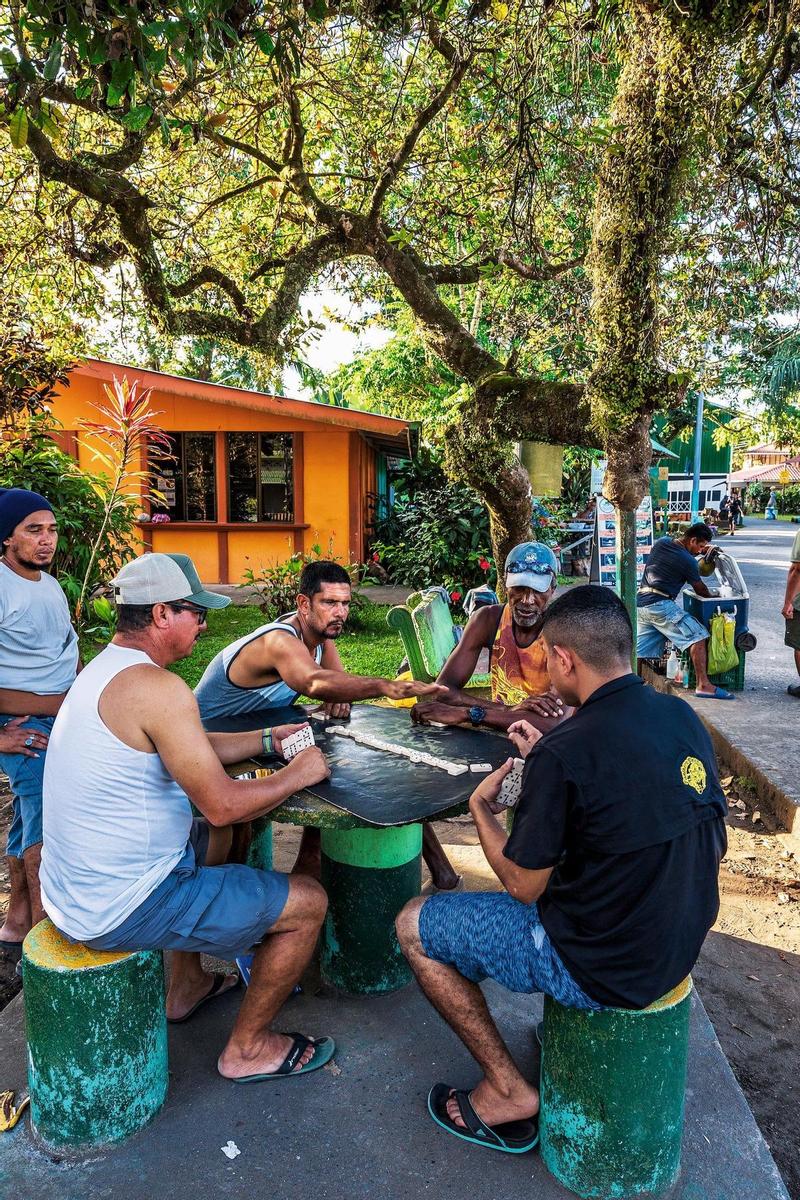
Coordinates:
(297, 655)
(125, 867)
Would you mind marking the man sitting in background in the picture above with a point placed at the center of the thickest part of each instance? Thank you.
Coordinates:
(124, 866)
(670, 565)
(518, 661)
(610, 871)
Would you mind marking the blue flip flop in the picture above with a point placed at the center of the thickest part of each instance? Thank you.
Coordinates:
(324, 1050)
(718, 694)
(513, 1137)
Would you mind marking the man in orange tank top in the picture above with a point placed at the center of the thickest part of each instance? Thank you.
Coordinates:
(518, 660)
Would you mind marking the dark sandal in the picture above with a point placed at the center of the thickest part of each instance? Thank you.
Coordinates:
(512, 1137)
(324, 1050)
(216, 990)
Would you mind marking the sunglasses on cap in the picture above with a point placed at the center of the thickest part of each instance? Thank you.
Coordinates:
(526, 568)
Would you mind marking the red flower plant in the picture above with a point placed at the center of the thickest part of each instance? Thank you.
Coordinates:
(455, 597)
(484, 564)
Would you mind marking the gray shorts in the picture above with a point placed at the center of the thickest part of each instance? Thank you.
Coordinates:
(792, 635)
(216, 910)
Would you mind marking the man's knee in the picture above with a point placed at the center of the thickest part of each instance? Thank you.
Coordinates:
(407, 923)
(308, 899)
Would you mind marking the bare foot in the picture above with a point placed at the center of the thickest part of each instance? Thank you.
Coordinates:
(496, 1109)
(13, 933)
(263, 1059)
(448, 881)
(182, 999)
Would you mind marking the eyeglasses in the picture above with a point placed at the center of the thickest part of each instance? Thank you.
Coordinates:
(199, 612)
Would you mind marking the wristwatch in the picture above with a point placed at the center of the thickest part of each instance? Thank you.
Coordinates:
(476, 714)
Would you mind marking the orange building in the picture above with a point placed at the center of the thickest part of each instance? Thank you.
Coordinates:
(255, 478)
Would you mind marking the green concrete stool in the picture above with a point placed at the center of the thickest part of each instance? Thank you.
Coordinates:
(260, 852)
(97, 1039)
(612, 1095)
(369, 874)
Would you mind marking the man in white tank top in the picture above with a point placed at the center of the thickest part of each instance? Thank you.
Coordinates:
(124, 866)
(297, 655)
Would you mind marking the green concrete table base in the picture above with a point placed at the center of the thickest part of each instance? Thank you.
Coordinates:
(369, 874)
(612, 1096)
(97, 1040)
(260, 852)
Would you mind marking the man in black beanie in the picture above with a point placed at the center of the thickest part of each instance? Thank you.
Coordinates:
(38, 664)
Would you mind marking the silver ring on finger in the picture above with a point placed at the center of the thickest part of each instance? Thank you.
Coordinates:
(29, 741)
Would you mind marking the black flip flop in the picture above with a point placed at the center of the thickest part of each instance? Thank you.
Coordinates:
(793, 689)
(324, 1050)
(513, 1137)
(216, 990)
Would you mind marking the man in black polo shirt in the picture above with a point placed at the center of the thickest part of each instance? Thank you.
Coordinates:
(610, 872)
(670, 564)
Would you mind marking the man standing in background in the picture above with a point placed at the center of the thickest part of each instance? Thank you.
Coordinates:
(791, 611)
(38, 664)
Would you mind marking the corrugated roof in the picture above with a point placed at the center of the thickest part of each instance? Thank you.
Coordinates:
(389, 434)
(769, 474)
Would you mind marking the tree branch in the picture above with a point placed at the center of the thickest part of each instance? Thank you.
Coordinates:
(217, 278)
(444, 273)
(423, 119)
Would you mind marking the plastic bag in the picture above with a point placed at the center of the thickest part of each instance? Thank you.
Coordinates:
(722, 653)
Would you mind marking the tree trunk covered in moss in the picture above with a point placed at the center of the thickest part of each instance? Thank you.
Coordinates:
(651, 121)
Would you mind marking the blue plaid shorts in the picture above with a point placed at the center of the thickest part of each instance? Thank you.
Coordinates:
(492, 935)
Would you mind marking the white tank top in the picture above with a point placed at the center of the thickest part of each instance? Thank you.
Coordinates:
(115, 821)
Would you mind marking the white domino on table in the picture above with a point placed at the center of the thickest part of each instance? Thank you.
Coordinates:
(293, 743)
(413, 755)
(511, 786)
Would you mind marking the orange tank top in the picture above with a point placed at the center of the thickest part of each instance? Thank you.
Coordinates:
(517, 671)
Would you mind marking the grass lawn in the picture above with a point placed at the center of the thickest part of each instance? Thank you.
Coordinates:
(369, 648)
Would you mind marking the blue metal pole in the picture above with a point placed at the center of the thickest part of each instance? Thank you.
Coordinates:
(698, 452)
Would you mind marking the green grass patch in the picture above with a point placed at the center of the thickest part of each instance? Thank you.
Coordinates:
(369, 647)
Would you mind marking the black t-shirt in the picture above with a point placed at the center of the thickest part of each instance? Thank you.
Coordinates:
(669, 566)
(624, 802)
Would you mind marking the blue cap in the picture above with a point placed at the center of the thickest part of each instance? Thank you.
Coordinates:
(15, 505)
(531, 565)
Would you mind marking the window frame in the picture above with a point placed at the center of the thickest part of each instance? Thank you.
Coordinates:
(291, 519)
(180, 460)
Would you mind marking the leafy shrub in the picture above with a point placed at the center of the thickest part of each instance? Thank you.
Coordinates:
(437, 532)
(79, 500)
(278, 584)
(788, 497)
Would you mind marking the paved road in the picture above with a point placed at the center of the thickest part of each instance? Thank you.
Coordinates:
(762, 551)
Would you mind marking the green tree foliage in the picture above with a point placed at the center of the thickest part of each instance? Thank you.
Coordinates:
(585, 205)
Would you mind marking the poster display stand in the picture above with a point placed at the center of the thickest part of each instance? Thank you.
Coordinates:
(604, 554)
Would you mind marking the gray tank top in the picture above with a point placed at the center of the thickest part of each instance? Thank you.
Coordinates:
(218, 697)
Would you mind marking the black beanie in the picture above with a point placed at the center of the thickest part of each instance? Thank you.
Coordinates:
(15, 505)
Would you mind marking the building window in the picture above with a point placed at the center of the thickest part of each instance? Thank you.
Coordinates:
(261, 477)
(187, 479)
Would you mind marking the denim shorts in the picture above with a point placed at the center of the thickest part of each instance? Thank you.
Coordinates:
(666, 621)
(25, 776)
(222, 911)
(490, 935)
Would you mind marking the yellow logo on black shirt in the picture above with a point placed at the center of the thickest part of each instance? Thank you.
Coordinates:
(693, 774)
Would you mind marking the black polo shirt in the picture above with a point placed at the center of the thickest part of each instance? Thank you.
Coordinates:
(624, 802)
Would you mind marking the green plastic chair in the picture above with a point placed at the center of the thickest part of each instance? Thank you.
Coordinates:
(426, 631)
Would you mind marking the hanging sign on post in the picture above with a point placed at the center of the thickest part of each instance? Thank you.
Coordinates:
(604, 555)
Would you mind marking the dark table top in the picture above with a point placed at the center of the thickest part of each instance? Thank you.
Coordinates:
(375, 787)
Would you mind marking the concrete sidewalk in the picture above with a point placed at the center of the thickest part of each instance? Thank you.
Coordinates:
(359, 1128)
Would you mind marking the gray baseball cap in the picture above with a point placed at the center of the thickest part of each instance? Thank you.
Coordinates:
(161, 579)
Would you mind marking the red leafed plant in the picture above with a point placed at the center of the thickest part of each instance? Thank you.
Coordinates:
(127, 430)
